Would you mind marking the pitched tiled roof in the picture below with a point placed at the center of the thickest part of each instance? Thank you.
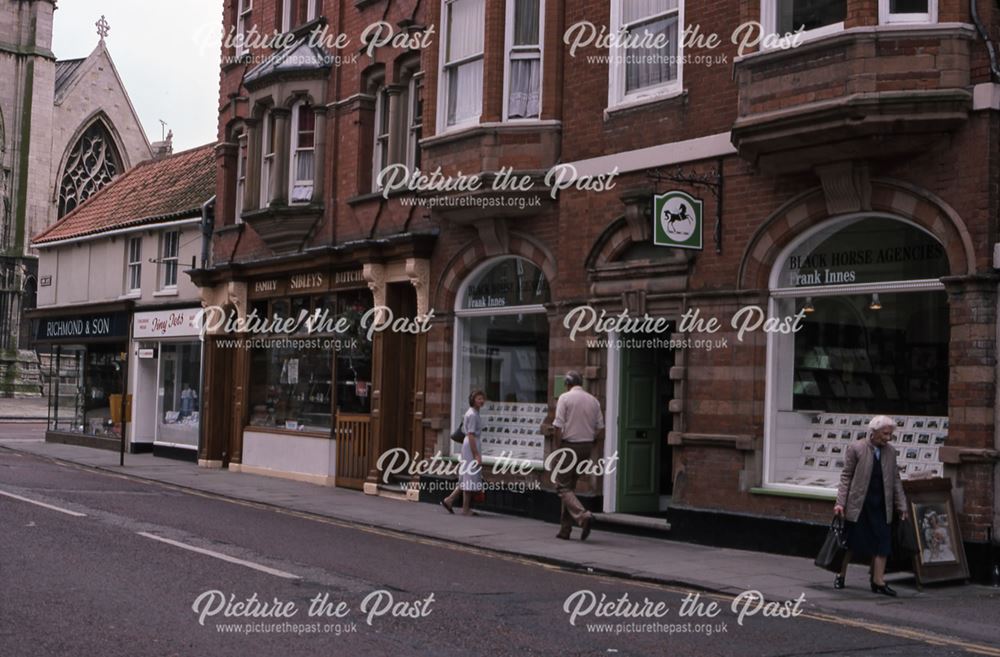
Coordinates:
(155, 190)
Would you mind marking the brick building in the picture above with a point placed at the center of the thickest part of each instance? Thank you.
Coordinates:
(844, 176)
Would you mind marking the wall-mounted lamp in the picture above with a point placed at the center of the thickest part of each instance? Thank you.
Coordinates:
(809, 308)
(876, 303)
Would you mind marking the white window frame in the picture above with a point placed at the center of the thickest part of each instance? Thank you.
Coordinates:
(443, 70)
(243, 10)
(378, 138)
(769, 23)
(133, 265)
(166, 260)
(776, 364)
(242, 153)
(267, 159)
(522, 52)
(312, 11)
(295, 151)
(617, 97)
(414, 122)
(886, 17)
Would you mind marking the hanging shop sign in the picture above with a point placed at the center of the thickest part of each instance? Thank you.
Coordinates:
(678, 220)
(179, 323)
(82, 327)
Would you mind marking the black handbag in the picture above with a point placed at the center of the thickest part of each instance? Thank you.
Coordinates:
(458, 435)
(831, 555)
(905, 543)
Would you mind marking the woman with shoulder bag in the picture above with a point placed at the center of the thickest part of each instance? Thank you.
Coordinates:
(870, 488)
(470, 475)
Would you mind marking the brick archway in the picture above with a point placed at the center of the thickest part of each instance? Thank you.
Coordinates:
(474, 253)
(887, 196)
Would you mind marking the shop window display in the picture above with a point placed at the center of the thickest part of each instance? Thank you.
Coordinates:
(873, 341)
(297, 383)
(83, 380)
(180, 387)
(502, 340)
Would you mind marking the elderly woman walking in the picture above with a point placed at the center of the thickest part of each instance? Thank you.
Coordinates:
(870, 488)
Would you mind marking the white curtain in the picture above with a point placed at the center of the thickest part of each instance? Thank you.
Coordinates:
(524, 88)
(636, 10)
(466, 27)
(465, 91)
(526, 22)
(647, 67)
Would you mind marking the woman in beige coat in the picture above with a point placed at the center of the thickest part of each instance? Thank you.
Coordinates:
(870, 488)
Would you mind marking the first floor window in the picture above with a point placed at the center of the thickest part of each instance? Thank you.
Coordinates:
(647, 63)
(267, 170)
(298, 12)
(907, 11)
(873, 341)
(524, 58)
(791, 16)
(414, 121)
(243, 11)
(380, 153)
(133, 270)
(168, 258)
(462, 70)
(502, 349)
(241, 177)
(303, 153)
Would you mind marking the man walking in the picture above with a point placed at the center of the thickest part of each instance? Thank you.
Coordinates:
(578, 422)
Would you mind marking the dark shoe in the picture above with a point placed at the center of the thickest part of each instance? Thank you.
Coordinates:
(564, 534)
(447, 507)
(838, 582)
(883, 589)
(585, 528)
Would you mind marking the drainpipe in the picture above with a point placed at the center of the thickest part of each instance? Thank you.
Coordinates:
(207, 227)
(990, 48)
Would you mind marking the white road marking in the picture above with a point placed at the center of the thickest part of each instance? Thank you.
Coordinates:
(222, 557)
(75, 514)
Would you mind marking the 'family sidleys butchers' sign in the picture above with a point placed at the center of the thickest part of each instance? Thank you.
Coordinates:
(87, 326)
(306, 283)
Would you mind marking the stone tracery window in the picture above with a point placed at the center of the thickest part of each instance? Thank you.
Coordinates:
(93, 163)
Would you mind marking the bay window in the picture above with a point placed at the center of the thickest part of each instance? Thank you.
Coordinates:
(303, 153)
(812, 17)
(269, 158)
(461, 100)
(647, 63)
(524, 59)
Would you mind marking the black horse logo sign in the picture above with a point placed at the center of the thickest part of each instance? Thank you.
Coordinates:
(677, 220)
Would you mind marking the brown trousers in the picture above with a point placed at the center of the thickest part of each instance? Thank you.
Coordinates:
(572, 510)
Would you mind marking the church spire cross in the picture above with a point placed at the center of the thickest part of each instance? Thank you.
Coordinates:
(103, 28)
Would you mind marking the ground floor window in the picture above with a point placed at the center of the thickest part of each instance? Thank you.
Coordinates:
(299, 382)
(179, 393)
(502, 348)
(84, 380)
(873, 341)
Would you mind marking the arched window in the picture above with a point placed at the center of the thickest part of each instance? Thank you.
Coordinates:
(502, 348)
(872, 339)
(92, 164)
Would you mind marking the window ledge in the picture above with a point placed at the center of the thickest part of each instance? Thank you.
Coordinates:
(804, 494)
(131, 295)
(612, 111)
(477, 129)
(166, 292)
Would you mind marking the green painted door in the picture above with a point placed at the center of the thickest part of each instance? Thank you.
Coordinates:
(639, 433)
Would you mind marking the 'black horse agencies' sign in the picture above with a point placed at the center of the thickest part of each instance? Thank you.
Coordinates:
(677, 220)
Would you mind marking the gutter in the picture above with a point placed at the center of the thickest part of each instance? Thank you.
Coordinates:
(990, 48)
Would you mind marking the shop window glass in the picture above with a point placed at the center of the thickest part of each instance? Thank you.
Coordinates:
(290, 387)
(180, 394)
(354, 358)
(503, 349)
(84, 381)
(876, 344)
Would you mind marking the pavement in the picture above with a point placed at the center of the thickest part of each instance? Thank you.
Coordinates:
(25, 409)
(964, 610)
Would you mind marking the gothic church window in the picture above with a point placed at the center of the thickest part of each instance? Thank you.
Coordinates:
(93, 163)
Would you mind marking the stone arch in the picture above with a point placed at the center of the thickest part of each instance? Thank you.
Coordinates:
(612, 241)
(891, 197)
(474, 252)
(94, 156)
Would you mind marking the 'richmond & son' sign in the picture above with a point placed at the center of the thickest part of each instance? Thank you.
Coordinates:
(103, 325)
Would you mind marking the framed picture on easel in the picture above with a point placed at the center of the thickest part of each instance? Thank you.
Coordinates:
(940, 552)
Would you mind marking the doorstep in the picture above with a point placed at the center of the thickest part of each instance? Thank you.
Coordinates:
(633, 521)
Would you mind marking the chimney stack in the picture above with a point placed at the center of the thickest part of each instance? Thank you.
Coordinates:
(162, 149)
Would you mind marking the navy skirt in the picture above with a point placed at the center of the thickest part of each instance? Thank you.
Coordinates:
(871, 535)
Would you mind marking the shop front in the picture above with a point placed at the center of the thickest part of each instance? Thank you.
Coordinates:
(85, 351)
(167, 381)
